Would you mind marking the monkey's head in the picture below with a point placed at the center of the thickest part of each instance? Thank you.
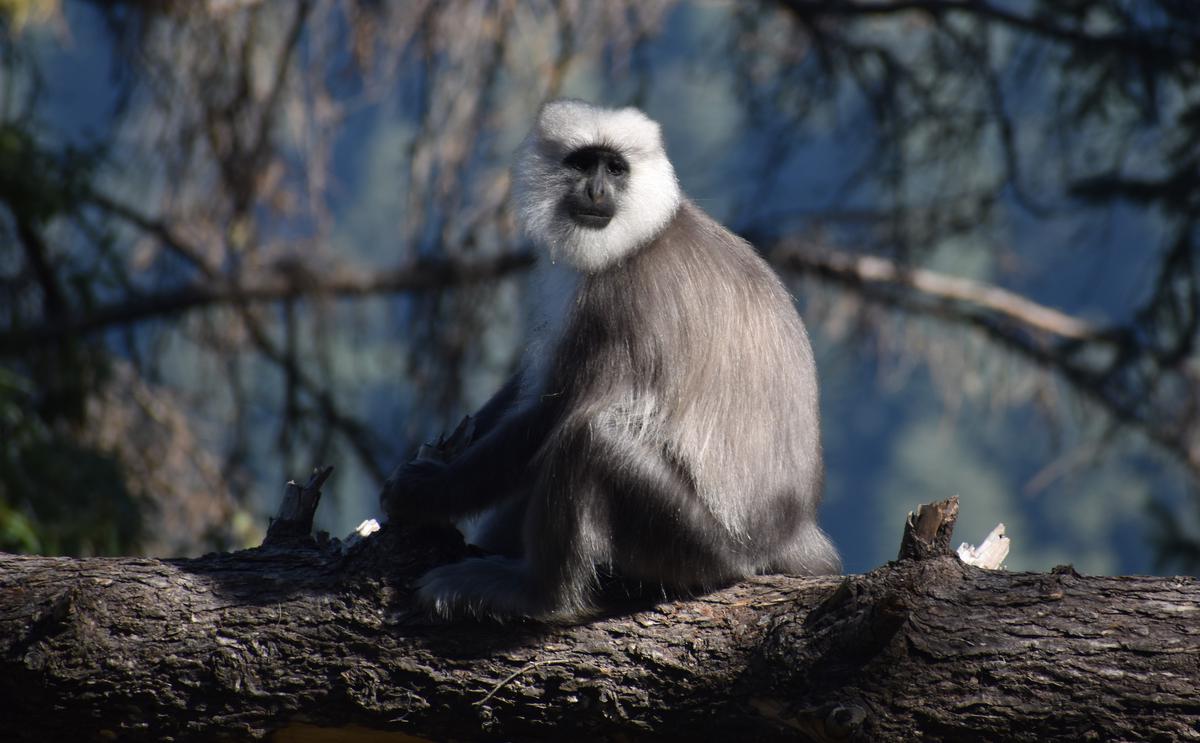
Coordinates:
(593, 184)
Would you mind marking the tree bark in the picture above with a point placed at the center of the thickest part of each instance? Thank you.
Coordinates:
(304, 638)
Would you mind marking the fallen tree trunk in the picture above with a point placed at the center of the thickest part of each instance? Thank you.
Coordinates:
(304, 638)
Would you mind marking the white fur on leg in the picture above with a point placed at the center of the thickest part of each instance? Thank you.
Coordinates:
(487, 587)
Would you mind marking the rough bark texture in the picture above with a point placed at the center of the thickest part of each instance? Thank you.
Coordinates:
(318, 638)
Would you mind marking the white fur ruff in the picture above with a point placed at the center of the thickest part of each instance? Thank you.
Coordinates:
(541, 180)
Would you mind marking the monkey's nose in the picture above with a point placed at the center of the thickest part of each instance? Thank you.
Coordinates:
(596, 190)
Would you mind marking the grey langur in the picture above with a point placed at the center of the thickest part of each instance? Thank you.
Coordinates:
(664, 422)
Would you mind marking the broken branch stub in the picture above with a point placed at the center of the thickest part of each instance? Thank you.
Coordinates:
(928, 530)
(295, 517)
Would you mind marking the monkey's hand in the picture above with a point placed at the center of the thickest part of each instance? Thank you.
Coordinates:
(411, 493)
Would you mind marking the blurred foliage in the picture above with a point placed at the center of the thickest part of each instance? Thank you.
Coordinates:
(38, 184)
(17, 14)
(59, 492)
(58, 496)
(1177, 544)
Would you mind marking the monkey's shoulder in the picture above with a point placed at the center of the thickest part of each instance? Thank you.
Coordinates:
(696, 237)
(695, 254)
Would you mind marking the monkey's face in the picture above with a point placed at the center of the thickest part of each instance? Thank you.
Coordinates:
(593, 185)
(597, 178)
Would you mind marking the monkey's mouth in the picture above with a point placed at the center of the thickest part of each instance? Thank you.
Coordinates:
(591, 219)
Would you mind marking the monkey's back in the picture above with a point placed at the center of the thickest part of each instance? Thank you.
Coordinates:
(693, 347)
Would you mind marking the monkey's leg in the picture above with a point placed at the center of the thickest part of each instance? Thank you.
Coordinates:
(552, 582)
(601, 496)
(565, 536)
(498, 529)
(663, 532)
(485, 587)
(678, 539)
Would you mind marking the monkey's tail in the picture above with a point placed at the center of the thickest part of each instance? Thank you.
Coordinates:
(810, 553)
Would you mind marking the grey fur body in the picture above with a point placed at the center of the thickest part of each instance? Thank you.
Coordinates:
(665, 426)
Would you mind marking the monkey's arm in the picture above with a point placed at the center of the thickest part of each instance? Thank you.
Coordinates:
(484, 473)
(494, 410)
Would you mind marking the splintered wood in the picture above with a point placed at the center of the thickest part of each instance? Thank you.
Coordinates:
(990, 554)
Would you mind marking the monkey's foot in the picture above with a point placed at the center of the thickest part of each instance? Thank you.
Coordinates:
(489, 587)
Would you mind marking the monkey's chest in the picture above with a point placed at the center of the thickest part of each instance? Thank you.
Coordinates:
(555, 289)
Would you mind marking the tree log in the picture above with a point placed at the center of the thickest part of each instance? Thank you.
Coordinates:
(317, 637)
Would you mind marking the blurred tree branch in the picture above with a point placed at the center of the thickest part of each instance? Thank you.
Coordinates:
(295, 282)
(861, 271)
(1164, 47)
(1072, 348)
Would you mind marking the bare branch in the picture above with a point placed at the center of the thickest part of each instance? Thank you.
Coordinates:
(157, 228)
(1039, 334)
(1038, 26)
(865, 269)
(430, 275)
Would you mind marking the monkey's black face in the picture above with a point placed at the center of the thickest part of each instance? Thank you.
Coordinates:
(600, 176)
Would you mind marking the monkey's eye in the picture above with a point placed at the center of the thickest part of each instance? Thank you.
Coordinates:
(617, 167)
(579, 160)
